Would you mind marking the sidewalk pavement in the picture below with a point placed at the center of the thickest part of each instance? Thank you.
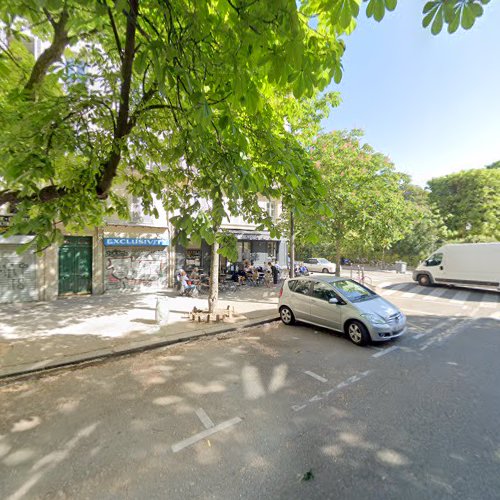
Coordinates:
(38, 336)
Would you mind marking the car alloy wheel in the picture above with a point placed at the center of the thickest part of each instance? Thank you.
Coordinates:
(287, 316)
(357, 333)
(325, 270)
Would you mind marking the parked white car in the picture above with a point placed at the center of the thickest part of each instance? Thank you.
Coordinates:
(343, 305)
(319, 265)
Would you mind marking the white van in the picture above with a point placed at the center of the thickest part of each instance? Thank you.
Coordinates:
(466, 264)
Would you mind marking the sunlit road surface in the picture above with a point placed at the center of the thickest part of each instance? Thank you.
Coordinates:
(271, 412)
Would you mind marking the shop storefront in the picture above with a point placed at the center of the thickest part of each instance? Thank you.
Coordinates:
(260, 248)
(257, 247)
(135, 264)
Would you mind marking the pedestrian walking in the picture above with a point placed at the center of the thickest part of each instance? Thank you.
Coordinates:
(275, 272)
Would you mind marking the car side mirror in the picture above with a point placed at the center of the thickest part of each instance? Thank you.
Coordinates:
(334, 300)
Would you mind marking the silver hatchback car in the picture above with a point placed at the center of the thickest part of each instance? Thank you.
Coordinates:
(340, 304)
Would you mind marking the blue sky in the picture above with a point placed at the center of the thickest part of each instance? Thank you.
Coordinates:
(430, 103)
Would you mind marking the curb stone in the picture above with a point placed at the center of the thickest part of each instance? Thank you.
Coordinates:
(101, 355)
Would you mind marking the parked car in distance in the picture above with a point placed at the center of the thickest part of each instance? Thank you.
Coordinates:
(340, 304)
(319, 265)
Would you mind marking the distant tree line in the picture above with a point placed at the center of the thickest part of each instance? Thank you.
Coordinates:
(376, 214)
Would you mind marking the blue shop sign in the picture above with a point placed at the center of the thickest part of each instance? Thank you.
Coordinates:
(135, 242)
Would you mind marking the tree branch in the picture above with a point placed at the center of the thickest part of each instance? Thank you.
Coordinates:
(48, 193)
(115, 33)
(110, 166)
(49, 56)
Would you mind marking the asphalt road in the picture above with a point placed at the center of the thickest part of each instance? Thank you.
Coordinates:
(272, 412)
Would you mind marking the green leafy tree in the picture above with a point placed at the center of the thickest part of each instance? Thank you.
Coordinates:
(363, 193)
(428, 229)
(469, 202)
(124, 87)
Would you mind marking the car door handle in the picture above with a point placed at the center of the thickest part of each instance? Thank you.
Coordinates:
(441, 268)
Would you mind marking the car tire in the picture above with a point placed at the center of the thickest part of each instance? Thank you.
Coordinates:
(357, 333)
(325, 270)
(423, 280)
(287, 316)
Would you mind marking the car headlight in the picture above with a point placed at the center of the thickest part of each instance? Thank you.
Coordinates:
(374, 319)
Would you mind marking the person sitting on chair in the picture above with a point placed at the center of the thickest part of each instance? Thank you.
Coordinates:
(186, 286)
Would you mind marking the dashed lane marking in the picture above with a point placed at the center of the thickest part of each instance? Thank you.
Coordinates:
(452, 326)
(337, 388)
(316, 376)
(205, 419)
(203, 434)
(383, 352)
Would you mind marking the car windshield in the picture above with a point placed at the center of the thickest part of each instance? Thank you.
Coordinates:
(353, 291)
(323, 261)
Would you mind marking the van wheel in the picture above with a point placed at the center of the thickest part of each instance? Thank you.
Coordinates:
(358, 334)
(287, 316)
(325, 270)
(424, 280)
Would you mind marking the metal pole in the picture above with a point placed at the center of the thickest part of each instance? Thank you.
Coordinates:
(291, 271)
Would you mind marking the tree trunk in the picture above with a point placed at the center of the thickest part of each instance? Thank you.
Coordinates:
(291, 270)
(213, 292)
(338, 255)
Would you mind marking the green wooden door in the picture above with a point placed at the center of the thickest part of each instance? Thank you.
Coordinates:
(75, 265)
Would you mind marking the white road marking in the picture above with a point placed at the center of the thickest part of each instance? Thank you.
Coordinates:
(324, 394)
(437, 292)
(385, 284)
(205, 419)
(385, 351)
(490, 303)
(203, 434)
(395, 288)
(315, 398)
(317, 377)
(412, 291)
(418, 336)
(447, 332)
(421, 313)
(352, 379)
(459, 298)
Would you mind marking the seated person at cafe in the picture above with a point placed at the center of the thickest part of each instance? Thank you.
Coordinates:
(195, 274)
(186, 284)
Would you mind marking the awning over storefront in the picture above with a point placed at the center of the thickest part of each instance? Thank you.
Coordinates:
(254, 236)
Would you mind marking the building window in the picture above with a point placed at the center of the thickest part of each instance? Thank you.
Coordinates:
(271, 209)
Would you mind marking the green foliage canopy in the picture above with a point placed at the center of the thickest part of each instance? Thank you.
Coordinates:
(469, 202)
(139, 96)
(364, 195)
